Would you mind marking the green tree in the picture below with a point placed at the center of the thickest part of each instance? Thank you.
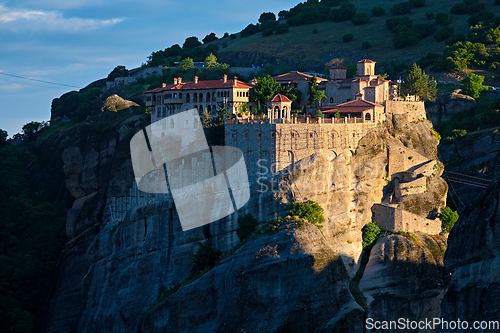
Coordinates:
(206, 120)
(204, 258)
(448, 218)
(348, 38)
(265, 88)
(315, 95)
(371, 232)
(419, 84)
(118, 71)
(473, 85)
(3, 137)
(441, 18)
(211, 62)
(378, 11)
(337, 114)
(310, 211)
(191, 43)
(186, 64)
(30, 130)
(360, 18)
(209, 38)
(246, 225)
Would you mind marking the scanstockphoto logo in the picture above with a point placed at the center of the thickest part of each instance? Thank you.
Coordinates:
(206, 183)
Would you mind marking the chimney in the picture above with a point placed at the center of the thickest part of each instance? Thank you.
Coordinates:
(224, 78)
(195, 80)
(175, 80)
(179, 80)
(235, 79)
(163, 85)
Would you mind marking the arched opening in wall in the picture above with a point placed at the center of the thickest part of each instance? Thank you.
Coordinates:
(294, 139)
(291, 158)
(208, 97)
(209, 109)
(331, 99)
(395, 182)
(276, 112)
(201, 97)
(200, 109)
(214, 110)
(188, 98)
(196, 107)
(368, 117)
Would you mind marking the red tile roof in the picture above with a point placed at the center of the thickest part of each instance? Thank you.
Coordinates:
(338, 67)
(359, 104)
(344, 110)
(366, 61)
(211, 84)
(280, 98)
(294, 76)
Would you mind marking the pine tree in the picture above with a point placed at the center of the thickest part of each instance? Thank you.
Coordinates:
(316, 95)
(211, 62)
(205, 119)
(418, 83)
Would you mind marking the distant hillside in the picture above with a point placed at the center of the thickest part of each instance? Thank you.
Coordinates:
(301, 43)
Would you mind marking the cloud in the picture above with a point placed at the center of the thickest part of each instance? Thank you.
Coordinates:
(52, 21)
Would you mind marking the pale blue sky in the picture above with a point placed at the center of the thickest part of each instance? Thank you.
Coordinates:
(80, 41)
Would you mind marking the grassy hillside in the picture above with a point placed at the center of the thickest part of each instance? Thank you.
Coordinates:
(301, 43)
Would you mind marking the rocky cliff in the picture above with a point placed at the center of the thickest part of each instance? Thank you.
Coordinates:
(473, 257)
(291, 280)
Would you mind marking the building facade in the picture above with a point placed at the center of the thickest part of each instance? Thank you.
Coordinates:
(200, 95)
(365, 86)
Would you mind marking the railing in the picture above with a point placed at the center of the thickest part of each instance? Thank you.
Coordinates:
(298, 121)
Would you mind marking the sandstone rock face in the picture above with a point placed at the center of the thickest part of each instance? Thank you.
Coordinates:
(289, 282)
(97, 165)
(116, 103)
(405, 278)
(473, 255)
(448, 105)
(292, 281)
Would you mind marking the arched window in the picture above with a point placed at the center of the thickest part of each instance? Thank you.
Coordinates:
(331, 99)
(368, 117)
(201, 97)
(208, 97)
(187, 97)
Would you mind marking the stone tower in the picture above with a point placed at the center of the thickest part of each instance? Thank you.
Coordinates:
(366, 67)
(338, 72)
